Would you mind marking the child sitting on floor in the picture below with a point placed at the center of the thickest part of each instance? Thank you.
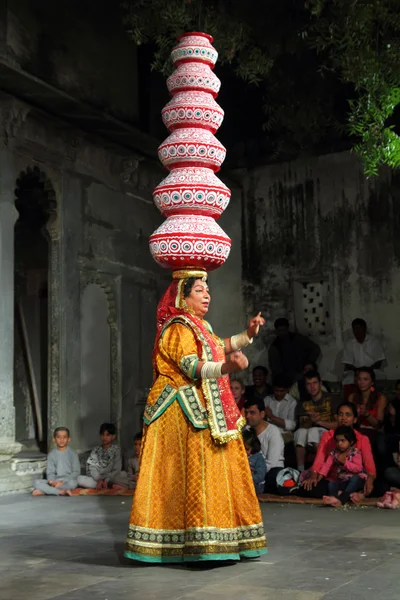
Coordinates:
(62, 469)
(257, 463)
(104, 463)
(343, 468)
(127, 479)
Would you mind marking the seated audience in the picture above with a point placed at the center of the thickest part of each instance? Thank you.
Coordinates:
(62, 468)
(238, 391)
(298, 390)
(343, 468)
(260, 388)
(127, 479)
(290, 352)
(104, 463)
(256, 459)
(370, 404)
(314, 485)
(362, 350)
(272, 446)
(388, 445)
(315, 416)
(280, 407)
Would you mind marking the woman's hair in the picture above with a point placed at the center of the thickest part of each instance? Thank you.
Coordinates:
(251, 440)
(347, 432)
(189, 283)
(373, 397)
(138, 436)
(397, 383)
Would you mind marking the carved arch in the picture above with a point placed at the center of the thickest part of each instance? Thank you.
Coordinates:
(108, 284)
(51, 230)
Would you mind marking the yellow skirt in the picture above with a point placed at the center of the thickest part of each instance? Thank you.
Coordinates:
(194, 500)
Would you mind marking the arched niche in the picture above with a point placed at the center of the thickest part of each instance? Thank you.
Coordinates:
(97, 360)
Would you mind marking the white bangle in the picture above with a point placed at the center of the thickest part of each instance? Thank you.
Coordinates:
(241, 340)
(211, 370)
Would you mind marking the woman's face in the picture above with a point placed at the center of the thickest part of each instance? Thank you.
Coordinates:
(199, 298)
(237, 390)
(346, 416)
(364, 381)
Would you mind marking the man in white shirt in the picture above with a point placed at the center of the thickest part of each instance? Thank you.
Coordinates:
(362, 350)
(280, 407)
(272, 446)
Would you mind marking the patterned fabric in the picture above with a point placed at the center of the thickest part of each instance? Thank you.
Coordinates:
(334, 470)
(102, 459)
(323, 408)
(194, 499)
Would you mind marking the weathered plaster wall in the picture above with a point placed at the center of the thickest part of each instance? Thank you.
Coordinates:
(320, 219)
(226, 312)
(99, 235)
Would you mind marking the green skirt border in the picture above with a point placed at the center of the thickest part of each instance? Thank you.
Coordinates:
(192, 559)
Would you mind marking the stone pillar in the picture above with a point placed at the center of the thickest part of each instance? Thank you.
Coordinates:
(8, 216)
(16, 472)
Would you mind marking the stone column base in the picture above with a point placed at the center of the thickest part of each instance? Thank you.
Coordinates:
(17, 473)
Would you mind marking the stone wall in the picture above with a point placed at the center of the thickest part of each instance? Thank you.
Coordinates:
(98, 235)
(318, 235)
(88, 56)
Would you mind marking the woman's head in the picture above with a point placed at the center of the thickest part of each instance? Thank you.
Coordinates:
(197, 296)
(365, 379)
(344, 437)
(251, 442)
(347, 414)
(237, 387)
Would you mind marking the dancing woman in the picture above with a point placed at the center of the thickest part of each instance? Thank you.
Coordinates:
(195, 497)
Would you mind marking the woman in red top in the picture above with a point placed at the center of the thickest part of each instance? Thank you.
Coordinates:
(370, 404)
(315, 486)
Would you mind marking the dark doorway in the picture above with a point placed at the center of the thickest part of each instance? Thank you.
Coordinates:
(34, 203)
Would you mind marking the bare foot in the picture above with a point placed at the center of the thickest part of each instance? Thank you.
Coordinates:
(357, 497)
(331, 501)
(118, 487)
(37, 493)
(62, 493)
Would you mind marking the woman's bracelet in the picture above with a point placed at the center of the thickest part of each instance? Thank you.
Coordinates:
(241, 340)
(211, 370)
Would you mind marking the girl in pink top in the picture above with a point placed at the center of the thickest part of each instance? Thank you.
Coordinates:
(343, 468)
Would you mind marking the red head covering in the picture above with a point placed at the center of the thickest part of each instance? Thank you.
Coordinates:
(172, 302)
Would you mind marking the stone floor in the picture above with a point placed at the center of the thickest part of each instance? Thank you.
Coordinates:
(70, 548)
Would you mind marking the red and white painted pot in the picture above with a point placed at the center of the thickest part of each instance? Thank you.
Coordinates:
(194, 47)
(190, 241)
(192, 109)
(193, 76)
(192, 146)
(192, 190)
(191, 196)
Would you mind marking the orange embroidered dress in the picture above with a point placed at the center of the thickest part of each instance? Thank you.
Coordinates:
(195, 498)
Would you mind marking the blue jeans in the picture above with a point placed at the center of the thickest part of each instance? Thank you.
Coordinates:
(347, 487)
